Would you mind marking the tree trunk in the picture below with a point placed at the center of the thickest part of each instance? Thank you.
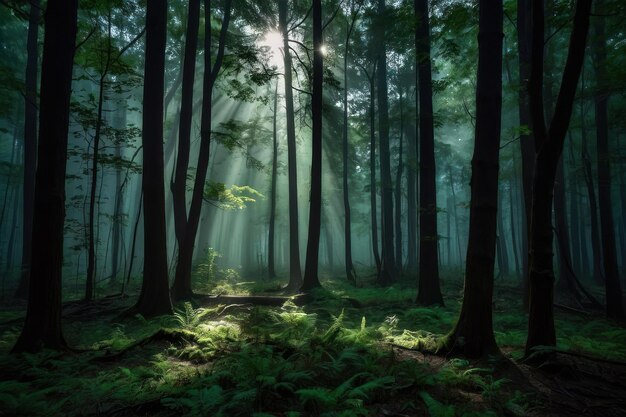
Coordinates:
(181, 288)
(42, 326)
(573, 208)
(350, 272)
(120, 124)
(154, 298)
(549, 145)
(295, 273)
(388, 268)
(411, 209)
(475, 326)
(398, 193)
(271, 272)
(311, 279)
(566, 279)
(513, 229)
(527, 146)
(429, 291)
(501, 239)
(374, 217)
(30, 144)
(614, 308)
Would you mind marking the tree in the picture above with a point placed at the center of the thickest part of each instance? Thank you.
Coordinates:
(179, 181)
(154, 298)
(30, 144)
(429, 291)
(311, 279)
(388, 268)
(549, 146)
(271, 272)
(295, 273)
(42, 326)
(350, 272)
(473, 333)
(614, 308)
(181, 288)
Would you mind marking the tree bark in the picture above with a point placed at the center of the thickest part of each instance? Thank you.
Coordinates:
(42, 326)
(373, 208)
(429, 291)
(295, 272)
(549, 146)
(181, 288)
(154, 298)
(614, 308)
(398, 192)
(311, 279)
(30, 144)
(475, 326)
(271, 271)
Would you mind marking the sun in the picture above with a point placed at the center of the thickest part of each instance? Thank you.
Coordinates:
(273, 40)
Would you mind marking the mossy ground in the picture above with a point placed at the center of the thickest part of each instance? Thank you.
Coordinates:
(347, 353)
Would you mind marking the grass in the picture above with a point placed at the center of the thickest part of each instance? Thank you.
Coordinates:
(330, 358)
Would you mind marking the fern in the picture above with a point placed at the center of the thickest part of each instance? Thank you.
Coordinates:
(436, 408)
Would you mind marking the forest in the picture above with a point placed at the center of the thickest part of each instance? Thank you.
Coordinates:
(294, 208)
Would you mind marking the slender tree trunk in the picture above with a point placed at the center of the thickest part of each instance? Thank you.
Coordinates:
(311, 279)
(429, 291)
(398, 193)
(181, 288)
(118, 216)
(475, 326)
(566, 279)
(527, 146)
(295, 273)
(42, 326)
(573, 208)
(350, 272)
(549, 145)
(614, 308)
(30, 144)
(411, 212)
(501, 236)
(388, 267)
(154, 298)
(374, 217)
(513, 229)
(178, 184)
(271, 272)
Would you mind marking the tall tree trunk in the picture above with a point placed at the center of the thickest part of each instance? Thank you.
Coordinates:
(411, 209)
(549, 146)
(513, 229)
(30, 144)
(271, 272)
(596, 247)
(154, 298)
(429, 291)
(120, 124)
(501, 237)
(350, 272)
(573, 208)
(475, 326)
(178, 184)
(295, 273)
(311, 279)
(398, 192)
(566, 279)
(388, 267)
(527, 146)
(614, 308)
(181, 288)
(374, 217)
(42, 326)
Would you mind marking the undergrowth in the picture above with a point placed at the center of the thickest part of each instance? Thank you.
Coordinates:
(334, 357)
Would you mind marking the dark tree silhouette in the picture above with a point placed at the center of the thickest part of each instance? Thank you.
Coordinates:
(475, 325)
(295, 272)
(181, 288)
(388, 268)
(549, 146)
(311, 279)
(30, 144)
(42, 327)
(154, 298)
(429, 291)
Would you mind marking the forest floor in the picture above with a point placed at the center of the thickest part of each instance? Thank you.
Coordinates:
(347, 352)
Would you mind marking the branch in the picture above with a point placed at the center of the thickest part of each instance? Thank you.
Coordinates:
(89, 35)
(333, 16)
(131, 43)
(302, 21)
